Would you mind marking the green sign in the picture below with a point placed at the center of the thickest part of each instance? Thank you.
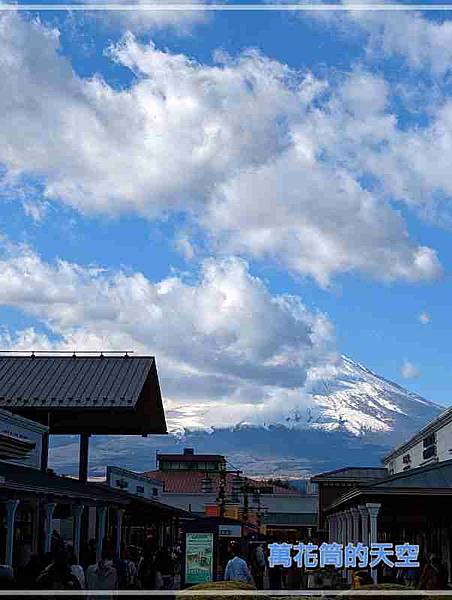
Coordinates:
(198, 557)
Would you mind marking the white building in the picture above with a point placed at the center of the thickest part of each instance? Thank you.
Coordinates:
(134, 483)
(431, 444)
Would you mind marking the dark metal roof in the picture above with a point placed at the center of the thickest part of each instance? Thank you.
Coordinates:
(20, 480)
(71, 381)
(290, 519)
(358, 474)
(431, 480)
(437, 475)
(92, 394)
(26, 479)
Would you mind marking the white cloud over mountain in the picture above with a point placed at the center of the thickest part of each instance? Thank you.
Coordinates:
(223, 337)
(271, 161)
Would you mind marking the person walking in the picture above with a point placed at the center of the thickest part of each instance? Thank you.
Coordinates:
(76, 569)
(236, 568)
(102, 575)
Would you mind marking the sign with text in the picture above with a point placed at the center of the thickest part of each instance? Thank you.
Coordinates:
(198, 558)
(230, 530)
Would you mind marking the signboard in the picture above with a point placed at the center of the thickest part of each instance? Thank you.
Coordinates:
(198, 558)
(230, 531)
(20, 440)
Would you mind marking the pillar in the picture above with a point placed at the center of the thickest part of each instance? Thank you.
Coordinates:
(332, 523)
(83, 458)
(36, 526)
(329, 526)
(119, 517)
(11, 507)
(373, 508)
(349, 526)
(45, 451)
(101, 516)
(342, 532)
(48, 526)
(349, 538)
(355, 524)
(77, 511)
(364, 524)
(336, 528)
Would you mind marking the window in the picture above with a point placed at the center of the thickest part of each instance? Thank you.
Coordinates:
(155, 491)
(140, 489)
(429, 445)
(122, 484)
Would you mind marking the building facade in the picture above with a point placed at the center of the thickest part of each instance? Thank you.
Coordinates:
(202, 485)
(432, 444)
(405, 502)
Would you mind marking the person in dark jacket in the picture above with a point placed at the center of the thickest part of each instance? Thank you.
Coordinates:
(58, 575)
(434, 575)
(147, 568)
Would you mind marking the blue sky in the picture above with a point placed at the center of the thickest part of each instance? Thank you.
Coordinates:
(245, 219)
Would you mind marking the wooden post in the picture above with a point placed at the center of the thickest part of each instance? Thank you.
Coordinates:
(83, 459)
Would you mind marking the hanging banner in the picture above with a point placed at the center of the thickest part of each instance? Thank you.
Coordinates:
(198, 558)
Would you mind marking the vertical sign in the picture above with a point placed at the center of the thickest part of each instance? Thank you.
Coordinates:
(198, 558)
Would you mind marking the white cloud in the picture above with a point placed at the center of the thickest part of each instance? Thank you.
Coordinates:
(317, 221)
(273, 156)
(185, 247)
(35, 210)
(165, 142)
(227, 348)
(422, 42)
(141, 21)
(424, 318)
(408, 370)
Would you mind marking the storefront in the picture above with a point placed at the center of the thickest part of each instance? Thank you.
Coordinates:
(413, 507)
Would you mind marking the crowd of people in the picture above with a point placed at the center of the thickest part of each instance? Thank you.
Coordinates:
(153, 567)
(150, 567)
(431, 575)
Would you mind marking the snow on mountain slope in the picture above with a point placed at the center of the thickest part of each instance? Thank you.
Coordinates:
(350, 397)
(345, 415)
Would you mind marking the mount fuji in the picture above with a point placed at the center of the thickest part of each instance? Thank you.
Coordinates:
(353, 417)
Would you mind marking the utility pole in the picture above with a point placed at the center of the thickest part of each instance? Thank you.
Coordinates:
(221, 498)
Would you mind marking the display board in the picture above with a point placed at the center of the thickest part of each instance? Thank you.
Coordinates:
(198, 558)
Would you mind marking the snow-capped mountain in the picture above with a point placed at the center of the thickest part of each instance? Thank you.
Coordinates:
(350, 397)
(352, 417)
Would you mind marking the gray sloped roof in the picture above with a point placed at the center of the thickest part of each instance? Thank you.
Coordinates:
(437, 475)
(357, 474)
(294, 519)
(34, 382)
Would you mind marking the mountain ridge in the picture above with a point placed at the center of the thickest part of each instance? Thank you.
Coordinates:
(353, 419)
